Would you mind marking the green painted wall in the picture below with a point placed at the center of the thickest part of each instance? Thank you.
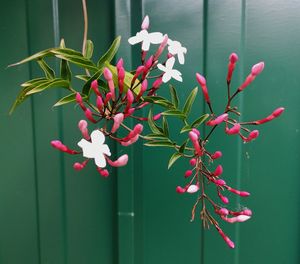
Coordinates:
(51, 214)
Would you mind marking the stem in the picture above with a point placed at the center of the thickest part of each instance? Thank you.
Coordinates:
(85, 32)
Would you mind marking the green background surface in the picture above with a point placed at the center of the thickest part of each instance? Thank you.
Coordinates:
(51, 214)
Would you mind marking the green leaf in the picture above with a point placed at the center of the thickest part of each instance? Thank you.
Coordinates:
(65, 71)
(154, 128)
(189, 101)
(186, 128)
(175, 113)
(152, 99)
(173, 159)
(160, 143)
(182, 147)
(199, 120)
(174, 96)
(165, 126)
(79, 61)
(34, 81)
(110, 53)
(87, 87)
(20, 98)
(155, 136)
(89, 49)
(66, 52)
(49, 84)
(68, 99)
(35, 56)
(49, 73)
(83, 77)
(164, 103)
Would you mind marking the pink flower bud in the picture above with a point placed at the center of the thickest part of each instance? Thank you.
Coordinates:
(149, 62)
(118, 119)
(193, 162)
(233, 58)
(144, 87)
(216, 155)
(82, 125)
(247, 212)
(89, 115)
(120, 162)
(240, 193)
(218, 171)
(107, 74)
(196, 131)
(60, 146)
(99, 103)
(234, 130)
(179, 189)
(121, 77)
(161, 47)
(250, 78)
(129, 112)
(277, 112)
(257, 68)
(80, 101)
(239, 218)
(130, 99)
(226, 238)
(120, 64)
(79, 166)
(222, 211)
(252, 135)
(107, 98)
(193, 136)
(223, 198)
(202, 81)
(103, 172)
(157, 83)
(193, 188)
(188, 173)
(218, 182)
(218, 120)
(157, 116)
(130, 142)
(94, 86)
(136, 131)
(145, 23)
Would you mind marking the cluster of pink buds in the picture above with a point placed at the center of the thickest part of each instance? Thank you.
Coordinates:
(201, 175)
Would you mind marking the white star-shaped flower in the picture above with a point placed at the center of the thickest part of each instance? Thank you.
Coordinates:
(169, 71)
(175, 48)
(146, 39)
(95, 149)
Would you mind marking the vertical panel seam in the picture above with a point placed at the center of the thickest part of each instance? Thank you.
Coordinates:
(240, 106)
(33, 138)
(56, 35)
(204, 66)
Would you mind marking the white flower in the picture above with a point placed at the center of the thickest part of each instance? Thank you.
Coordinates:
(95, 149)
(175, 47)
(146, 39)
(169, 71)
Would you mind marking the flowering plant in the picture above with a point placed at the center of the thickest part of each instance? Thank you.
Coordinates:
(110, 96)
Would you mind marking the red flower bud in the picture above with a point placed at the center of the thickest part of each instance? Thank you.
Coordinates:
(216, 155)
(188, 173)
(179, 189)
(202, 81)
(218, 120)
(234, 130)
(257, 68)
(218, 171)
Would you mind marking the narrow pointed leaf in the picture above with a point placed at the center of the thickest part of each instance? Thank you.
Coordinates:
(160, 143)
(35, 56)
(173, 159)
(34, 81)
(199, 120)
(165, 127)
(79, 61)
(65, 71)
(49, 73)
(110, 53)
(175, 113)
(182, 147)
(87, 87)
(71, 98)
(186, 128)
(49, 84)
(174, 96)
(189, 101)
(155, 136)
(154, 128)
